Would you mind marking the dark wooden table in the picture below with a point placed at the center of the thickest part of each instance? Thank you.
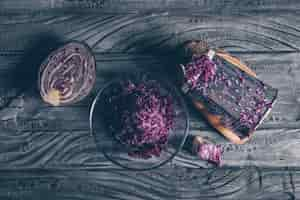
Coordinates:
(47, 152)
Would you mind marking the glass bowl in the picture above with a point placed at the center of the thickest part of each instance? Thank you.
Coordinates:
(118, 152)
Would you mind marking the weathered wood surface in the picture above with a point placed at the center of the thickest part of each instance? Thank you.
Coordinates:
(174, 183)
(47, 152)
(134, 6)
(148, 33)
(37, 135)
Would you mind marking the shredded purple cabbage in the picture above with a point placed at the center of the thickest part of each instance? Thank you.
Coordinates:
(140, 116)
(250, 116)
(210, 152)
(202, 69)
(229, 89)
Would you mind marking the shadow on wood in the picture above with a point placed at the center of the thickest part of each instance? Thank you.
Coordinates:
(26, 72)
(23, 77)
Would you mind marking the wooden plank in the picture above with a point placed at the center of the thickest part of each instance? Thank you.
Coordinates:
(150, 33)
(37, 135)
(174, 183)
(140, 5)
(56, 140)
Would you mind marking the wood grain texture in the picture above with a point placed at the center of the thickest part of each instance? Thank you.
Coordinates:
(157, 32)
(36, 135)
(47, 153)
(63, 133)
(175, 183)
(134, 6)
